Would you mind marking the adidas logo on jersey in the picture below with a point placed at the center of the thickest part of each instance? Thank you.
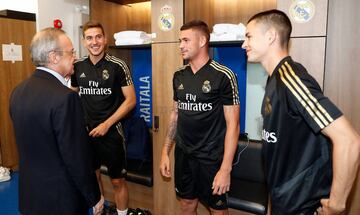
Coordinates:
(82, 75)
(181, 87)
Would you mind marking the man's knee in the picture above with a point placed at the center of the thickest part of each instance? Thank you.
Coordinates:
(188, 205)
(118, 183)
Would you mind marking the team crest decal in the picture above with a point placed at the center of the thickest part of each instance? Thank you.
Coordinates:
(302, 11)
(206, 86)
(268, 107)
(166, 20)
(105, 74)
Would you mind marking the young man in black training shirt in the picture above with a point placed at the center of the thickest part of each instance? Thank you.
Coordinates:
(305, 173)
(204, 124)
(107, 95)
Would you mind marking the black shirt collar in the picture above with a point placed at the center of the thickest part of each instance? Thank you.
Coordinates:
(202, 68)
(99, 63)
(287, 58)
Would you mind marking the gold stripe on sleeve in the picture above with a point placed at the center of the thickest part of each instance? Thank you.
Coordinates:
(300, 99)
(232, 79)
(123, 65)
(308, 93)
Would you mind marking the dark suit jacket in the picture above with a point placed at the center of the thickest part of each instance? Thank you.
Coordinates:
(55, 170)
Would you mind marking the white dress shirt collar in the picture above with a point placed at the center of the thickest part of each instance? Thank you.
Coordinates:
(57, 75)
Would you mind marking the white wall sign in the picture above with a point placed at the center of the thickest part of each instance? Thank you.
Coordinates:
(11, 52)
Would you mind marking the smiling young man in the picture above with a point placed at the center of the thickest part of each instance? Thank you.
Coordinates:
(107, 95)
(311, 151)
(204, 123)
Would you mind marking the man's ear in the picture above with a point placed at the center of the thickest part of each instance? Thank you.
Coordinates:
(53, 57)
(202, 40)
(271, 35)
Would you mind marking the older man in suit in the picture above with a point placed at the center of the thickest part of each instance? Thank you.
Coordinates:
(55, 170)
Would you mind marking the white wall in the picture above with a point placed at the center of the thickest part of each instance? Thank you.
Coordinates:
(255, 89)
(70, 12)
(29, 6)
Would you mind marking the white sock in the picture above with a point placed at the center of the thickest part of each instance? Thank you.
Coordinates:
(124, 212)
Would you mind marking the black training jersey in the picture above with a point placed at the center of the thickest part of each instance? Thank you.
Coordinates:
(200, 97)
(100, 86)
(297, 155)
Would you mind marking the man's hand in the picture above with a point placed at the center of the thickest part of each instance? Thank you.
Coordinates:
(165, 166)
(330, 209)
(221, 183)
(98, 208)
(99, 130)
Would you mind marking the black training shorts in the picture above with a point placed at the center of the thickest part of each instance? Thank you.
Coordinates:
(193, 180)
(110, 151)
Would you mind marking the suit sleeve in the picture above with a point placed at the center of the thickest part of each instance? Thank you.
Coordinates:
(72, 140)
(73, 79)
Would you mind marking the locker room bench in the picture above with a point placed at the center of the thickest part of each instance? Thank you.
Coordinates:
(248, 190)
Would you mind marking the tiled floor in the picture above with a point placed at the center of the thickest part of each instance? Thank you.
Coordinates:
(9, 196)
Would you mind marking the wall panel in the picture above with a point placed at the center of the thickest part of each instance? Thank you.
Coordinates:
(343, 57)
(165, 60)
(115, 17)
(230, 11)
(302, 48)
(316, 26)
(342, 70)
(164, 193)
(18, 32)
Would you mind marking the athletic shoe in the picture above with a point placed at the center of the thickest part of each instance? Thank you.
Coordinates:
(131, 211)
(4, 174)
(140, 211)
(109, 210)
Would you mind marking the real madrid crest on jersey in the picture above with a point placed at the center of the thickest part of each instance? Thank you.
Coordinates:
(105, 74)
(206, 86)
(268, 107)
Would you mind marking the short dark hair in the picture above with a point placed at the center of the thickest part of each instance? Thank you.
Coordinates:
(277, 19)
(198, 25)
(92, 24)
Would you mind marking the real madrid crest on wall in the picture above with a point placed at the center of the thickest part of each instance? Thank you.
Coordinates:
(302, 11)
(166, 19)
(206, 86)
(105, 74)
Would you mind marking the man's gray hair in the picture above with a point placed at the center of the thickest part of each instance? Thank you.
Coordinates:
(43, 43)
